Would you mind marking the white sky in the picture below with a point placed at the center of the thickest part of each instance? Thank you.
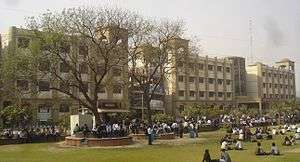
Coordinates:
(221, 25)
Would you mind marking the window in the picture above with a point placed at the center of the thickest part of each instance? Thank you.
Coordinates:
(265, 95)
(270, 85)
(117, 72)
(201, 66)
(219, 68)
(44, 65)
(270, 75)
(179, 64)
(264, 85)
(23, 85)
(220, 81)
(44, 86)
(64, 108)
(211, 94)
(117, 89)
(201, 80)
(23, 42)
(180, 78)
(64, 87)
(228, 69)
(191, 79)
(64, 67)
(228, 94)
(228, 82)
(201, 94)
(84, 88)
(83, 68)
(210, 67)
(220, 94)
(44, 108)
(101, 89)
(83, 50)
(192, 93)
(263, 73)
(180, 93)
(211, 81)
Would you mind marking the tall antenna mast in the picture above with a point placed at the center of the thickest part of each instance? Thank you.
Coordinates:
(250, 41)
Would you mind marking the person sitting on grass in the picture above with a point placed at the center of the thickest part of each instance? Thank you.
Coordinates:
(206, 156)
(293, 140)
(224, 145)
(224, 156)
(274, 149)
(238, 145)
(286, 141)
(259, 150)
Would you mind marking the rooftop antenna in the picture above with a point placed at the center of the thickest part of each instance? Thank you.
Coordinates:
(251, 41)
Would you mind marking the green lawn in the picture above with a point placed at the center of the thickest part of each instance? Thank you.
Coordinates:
(186, 150)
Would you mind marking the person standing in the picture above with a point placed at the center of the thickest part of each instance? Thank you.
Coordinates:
(149, 132)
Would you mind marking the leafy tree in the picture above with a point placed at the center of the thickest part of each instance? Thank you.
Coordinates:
(14, 116)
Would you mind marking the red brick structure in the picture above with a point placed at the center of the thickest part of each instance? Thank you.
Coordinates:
(96, 142)
(165, 136)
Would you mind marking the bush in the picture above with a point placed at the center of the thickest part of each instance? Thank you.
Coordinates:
(162, 118)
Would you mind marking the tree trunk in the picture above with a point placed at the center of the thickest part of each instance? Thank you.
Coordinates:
(97, 117)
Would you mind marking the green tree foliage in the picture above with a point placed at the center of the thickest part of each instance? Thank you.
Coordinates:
(162, 118)
(14, 116)
(196, 111)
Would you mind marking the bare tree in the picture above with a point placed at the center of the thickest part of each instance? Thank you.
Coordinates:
(152, 61)
(86, 42)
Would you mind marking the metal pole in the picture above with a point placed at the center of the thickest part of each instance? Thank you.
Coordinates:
(142, 107)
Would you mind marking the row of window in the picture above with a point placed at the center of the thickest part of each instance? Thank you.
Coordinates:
(277, 96)
(270, 85)
(44, 108)
(202, 94)
(264, 74)
(83, 68)
(201, 80)
(45, 86)
(200, 66)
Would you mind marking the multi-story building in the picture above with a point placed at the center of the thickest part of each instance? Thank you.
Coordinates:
(194, 79)
(49, 104)
(199, 80)
(239, 72)
(266, 84)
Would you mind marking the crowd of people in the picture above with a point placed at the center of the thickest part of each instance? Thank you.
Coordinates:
(103, 130)
(32, 134)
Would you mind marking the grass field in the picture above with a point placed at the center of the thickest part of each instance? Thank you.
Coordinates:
(179, 150)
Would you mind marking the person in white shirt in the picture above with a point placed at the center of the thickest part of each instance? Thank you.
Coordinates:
(224, 145)
(274, 131)
(274, 150)
(238, 145)
(149, 133)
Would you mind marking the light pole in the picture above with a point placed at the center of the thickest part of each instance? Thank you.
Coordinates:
(142, 106)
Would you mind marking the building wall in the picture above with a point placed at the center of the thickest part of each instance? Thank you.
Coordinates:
(200, 80)
(47, 104)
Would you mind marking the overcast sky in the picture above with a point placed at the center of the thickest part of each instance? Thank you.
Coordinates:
(221, 25)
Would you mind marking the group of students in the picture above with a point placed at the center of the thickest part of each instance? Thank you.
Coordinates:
(274, 150)
(224, 157)
(34, 132)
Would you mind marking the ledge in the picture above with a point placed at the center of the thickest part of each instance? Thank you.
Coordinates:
(96, 142)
